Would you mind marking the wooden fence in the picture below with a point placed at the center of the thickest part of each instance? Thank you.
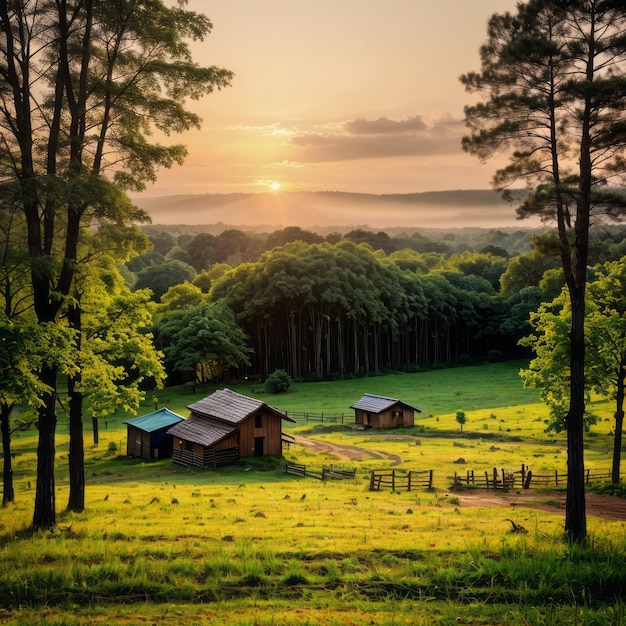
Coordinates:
(525, 478)
(503, 479)
(326, 473)
(323, 418)
(400, 480)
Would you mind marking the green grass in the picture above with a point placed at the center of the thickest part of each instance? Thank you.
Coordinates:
(160, 543)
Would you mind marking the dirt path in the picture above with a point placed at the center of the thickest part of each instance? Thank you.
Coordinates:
(350, 453)
(604, 507)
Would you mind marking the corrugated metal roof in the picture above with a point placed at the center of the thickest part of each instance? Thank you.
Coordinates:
(377, 404)
(230, 406)
(151, 422)
(200, 430)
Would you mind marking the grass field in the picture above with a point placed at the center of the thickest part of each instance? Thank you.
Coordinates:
(163, 544)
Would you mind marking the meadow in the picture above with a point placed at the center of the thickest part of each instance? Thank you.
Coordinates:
(248, 544)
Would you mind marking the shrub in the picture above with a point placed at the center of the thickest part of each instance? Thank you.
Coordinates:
(278, 382)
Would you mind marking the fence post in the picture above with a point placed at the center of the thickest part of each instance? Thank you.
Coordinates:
(393, 480)
(408, 485)
(372, 480)
(430, 479)
(487, 478)
(556, 478)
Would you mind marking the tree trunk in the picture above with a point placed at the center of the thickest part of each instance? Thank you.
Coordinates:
(44, 516)
(619, 422)
(575, 508)
(76, 500)
(8, 495)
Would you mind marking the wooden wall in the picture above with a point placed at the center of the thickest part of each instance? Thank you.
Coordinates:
(270, 430)
(386, 419)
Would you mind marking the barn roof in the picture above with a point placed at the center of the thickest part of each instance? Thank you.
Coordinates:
(377, 404)
(231, 407)
(202, 431)
(151, 422)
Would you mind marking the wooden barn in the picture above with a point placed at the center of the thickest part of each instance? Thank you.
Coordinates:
(147, 436)
(381, 412)
(225, 427)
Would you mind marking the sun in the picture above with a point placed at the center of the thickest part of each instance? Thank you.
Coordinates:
(275, 186)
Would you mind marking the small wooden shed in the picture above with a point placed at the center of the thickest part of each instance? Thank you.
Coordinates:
(147, 436)
(382, 412)
(225, 427)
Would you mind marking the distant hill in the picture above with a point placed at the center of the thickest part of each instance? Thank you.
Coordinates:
(327, 209)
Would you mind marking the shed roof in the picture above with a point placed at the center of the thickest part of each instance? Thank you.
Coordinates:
(231, 407)
(203, 431)
(378, 404)
(151, 422)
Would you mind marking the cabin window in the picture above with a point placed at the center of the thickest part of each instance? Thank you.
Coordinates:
(258, 421)
(397, 413)
(189, 446)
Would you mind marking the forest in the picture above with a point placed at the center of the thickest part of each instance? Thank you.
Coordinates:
(347, 305)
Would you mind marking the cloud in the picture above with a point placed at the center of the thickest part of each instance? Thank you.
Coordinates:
(384, 125)
(379, 138)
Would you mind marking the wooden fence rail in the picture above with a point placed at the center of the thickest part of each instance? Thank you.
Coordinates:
(525, 478)
(400, 480)
(326, 473)
(324, 418)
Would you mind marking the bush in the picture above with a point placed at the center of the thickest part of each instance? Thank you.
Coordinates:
(278, 382)
(495, 356)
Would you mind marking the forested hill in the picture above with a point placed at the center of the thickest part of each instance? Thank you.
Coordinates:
(321, 210)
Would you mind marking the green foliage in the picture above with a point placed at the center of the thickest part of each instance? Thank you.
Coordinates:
(278, 382)
(203, 341)
(461, 418)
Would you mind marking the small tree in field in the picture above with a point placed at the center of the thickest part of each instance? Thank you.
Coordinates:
(461, 418)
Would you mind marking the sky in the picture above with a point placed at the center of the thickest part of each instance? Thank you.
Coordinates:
(335, 95)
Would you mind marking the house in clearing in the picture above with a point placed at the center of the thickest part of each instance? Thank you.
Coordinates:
(225, 427)
(147, 436)
(382, 412)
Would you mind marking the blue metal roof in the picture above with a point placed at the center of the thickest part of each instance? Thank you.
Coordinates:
(151, 422)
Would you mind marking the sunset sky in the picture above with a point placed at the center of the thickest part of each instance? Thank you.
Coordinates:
(346, 95)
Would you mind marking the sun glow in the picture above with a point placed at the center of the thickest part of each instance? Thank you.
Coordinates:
(275, 186)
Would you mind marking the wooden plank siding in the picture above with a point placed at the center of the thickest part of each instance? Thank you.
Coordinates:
(138, 443)
(261, 425)
(392, 418)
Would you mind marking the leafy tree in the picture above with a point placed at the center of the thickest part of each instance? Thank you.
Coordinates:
(524, 271)
(205, 279)
(553, 82)
(461, 418)
(549, 369)
(202, 342)
(608, 344)
(178, 297)
(25, 347)
(160, 278)
(201, 250)
(289, 234)
(83, 84)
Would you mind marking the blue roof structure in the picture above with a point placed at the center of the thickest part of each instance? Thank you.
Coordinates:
(151, 422)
